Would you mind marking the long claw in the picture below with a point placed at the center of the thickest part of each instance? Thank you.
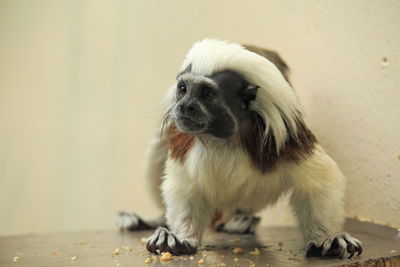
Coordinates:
(351, 249)
(359, 250)
(326, 246)
(342, 251)
(310, 248)
(342, 245)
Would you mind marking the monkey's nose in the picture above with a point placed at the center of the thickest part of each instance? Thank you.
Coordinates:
(188, 109)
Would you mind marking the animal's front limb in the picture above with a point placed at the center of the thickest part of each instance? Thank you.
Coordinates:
(188, 214)
(317, 200)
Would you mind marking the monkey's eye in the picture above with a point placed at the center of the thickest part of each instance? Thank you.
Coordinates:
(182, 89)
(206, 92)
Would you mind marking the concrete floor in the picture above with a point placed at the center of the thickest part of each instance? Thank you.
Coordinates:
(278, 246)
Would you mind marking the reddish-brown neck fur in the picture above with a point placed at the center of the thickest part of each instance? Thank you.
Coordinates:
(179, 143)
(262, 151)
(263, 154)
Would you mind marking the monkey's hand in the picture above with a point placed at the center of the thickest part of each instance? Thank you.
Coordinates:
(239, 224)
(133, 222)
(165, 241)
(334, 247)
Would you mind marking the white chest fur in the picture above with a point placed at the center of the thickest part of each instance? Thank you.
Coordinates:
(225, 177)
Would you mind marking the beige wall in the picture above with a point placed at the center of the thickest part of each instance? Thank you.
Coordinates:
(81, 84)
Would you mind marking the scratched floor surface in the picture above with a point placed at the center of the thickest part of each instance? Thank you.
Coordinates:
(278, 246)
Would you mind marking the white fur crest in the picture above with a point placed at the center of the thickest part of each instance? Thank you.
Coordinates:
(276, 101)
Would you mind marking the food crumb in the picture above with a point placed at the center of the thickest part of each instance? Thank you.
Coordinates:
(236, 259)
(222, 264)
(53, 253)
(166, 256)
(127, 248)
(393, 251)
(15, 259)
(294, 259)
(154, 258)
(147, 260)
(191, 258)
(80, 242)
(384, 61)
(237, 250)
(201, 261)
(74, 258)
(143, 241)
(116, 252)
(256, 252)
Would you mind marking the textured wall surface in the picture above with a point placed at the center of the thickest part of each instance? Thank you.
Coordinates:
(81, 84)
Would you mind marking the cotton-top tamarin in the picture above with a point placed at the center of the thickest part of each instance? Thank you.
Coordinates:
(232, 141)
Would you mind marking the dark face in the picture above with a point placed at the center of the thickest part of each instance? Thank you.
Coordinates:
(211, 105)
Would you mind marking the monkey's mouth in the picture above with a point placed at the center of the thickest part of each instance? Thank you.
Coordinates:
(190, 125)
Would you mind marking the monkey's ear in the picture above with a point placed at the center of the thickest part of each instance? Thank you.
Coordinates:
(248, 94)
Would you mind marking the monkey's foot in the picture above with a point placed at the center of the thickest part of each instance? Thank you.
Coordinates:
(334, 247)
(239, 224)
(132, 222)
(164, 241)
